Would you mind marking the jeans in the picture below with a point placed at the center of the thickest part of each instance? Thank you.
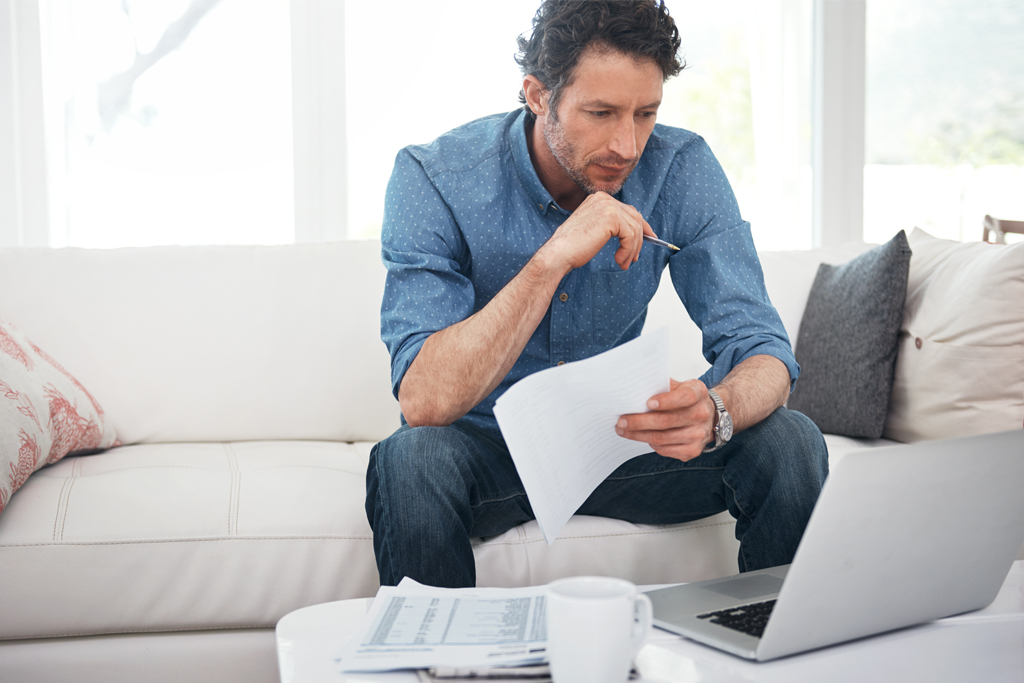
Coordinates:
(429, 490)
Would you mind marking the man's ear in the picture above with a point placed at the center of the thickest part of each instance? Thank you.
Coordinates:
(536, 95)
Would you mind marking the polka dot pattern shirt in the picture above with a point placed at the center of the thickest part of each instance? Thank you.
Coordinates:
(464, 213)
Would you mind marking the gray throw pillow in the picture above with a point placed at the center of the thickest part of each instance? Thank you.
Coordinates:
(848, 341)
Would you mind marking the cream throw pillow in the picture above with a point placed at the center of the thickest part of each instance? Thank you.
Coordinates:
(45, 413)
(960, 368)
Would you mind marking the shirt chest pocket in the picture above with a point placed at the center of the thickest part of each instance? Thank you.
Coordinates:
(619, 300)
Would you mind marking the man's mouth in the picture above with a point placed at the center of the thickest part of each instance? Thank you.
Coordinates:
(612, 170)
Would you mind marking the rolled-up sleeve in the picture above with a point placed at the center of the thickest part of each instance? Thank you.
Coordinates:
(718, 275)
(426, 289)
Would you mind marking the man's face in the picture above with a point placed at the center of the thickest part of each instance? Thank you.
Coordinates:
(604, 120)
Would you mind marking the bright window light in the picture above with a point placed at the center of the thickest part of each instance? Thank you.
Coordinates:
(445, 63)
(169, 122)
(449, 62)
(945, 116)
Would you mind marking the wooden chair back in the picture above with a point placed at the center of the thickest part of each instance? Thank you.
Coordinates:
(998, 228)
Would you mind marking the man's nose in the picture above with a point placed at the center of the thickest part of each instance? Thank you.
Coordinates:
(623, 141)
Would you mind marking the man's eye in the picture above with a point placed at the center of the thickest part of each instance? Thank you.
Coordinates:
(648, 114)
(599, 114)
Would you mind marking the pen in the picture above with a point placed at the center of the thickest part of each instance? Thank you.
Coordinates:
(655, 240)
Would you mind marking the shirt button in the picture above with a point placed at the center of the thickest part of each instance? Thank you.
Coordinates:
(563, 297)
(540, 206)
(918, 342)
(561, 362)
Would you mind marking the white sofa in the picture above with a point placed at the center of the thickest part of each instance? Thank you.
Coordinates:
(247, 385)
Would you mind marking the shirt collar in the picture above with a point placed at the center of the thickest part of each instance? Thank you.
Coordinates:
(535, 189)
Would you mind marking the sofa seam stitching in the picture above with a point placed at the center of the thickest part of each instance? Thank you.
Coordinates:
(526, 553)
(190, 540)
(83, 634)
(232, 470)
(143, 467)
(60, 500)
(76, 474)
(67, 504)
(308, 467)
(201, 469)
(337, 538)
(65, 499)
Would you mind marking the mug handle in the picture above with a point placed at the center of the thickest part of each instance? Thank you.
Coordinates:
(643, 620)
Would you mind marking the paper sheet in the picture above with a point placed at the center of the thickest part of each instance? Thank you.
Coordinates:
(559, 423)
(412, 626)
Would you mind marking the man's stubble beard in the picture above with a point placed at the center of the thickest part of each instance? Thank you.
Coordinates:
(565, 152)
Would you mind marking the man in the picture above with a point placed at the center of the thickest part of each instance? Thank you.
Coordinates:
(514, 243)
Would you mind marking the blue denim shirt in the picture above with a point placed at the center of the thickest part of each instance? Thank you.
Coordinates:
(464, 213)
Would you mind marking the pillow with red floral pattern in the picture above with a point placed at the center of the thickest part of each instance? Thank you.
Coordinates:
(45, 413)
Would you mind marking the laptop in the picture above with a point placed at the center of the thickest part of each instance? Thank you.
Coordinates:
(900, 535)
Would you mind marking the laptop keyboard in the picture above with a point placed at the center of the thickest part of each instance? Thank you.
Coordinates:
(750, 619)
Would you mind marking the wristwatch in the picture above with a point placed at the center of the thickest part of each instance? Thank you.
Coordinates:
(723, 425)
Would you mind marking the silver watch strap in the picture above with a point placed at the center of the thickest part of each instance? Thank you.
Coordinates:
(717, 399)
(719, 409)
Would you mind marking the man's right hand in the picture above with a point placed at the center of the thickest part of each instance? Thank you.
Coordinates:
(598, 219)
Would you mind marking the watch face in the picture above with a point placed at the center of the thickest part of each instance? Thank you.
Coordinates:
(725, 426)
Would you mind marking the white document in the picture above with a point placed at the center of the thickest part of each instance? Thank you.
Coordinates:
(412, 626)
(559, 423)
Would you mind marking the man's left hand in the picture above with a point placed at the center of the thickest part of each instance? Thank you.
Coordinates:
(680, 422)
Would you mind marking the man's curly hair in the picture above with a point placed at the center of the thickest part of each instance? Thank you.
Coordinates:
(564, 29)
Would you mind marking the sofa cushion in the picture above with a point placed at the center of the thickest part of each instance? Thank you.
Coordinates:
(644, 554)
(960, 369)
(841, 446)
(45, 413)
(174, 537)
(215, 343)
(848, 338)
(166, 537)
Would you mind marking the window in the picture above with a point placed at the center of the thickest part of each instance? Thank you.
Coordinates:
(444, 63)
(168, 122)
(172, 121)
(746, 90)
(945, 116)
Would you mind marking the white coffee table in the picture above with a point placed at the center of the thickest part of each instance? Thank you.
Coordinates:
(987, 645)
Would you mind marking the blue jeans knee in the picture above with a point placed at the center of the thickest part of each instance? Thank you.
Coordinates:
(428, 490)
(775, 478)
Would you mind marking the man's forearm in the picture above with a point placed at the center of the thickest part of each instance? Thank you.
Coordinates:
(754, 390)
(460, 365)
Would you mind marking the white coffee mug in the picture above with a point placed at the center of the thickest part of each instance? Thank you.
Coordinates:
(596, 626)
